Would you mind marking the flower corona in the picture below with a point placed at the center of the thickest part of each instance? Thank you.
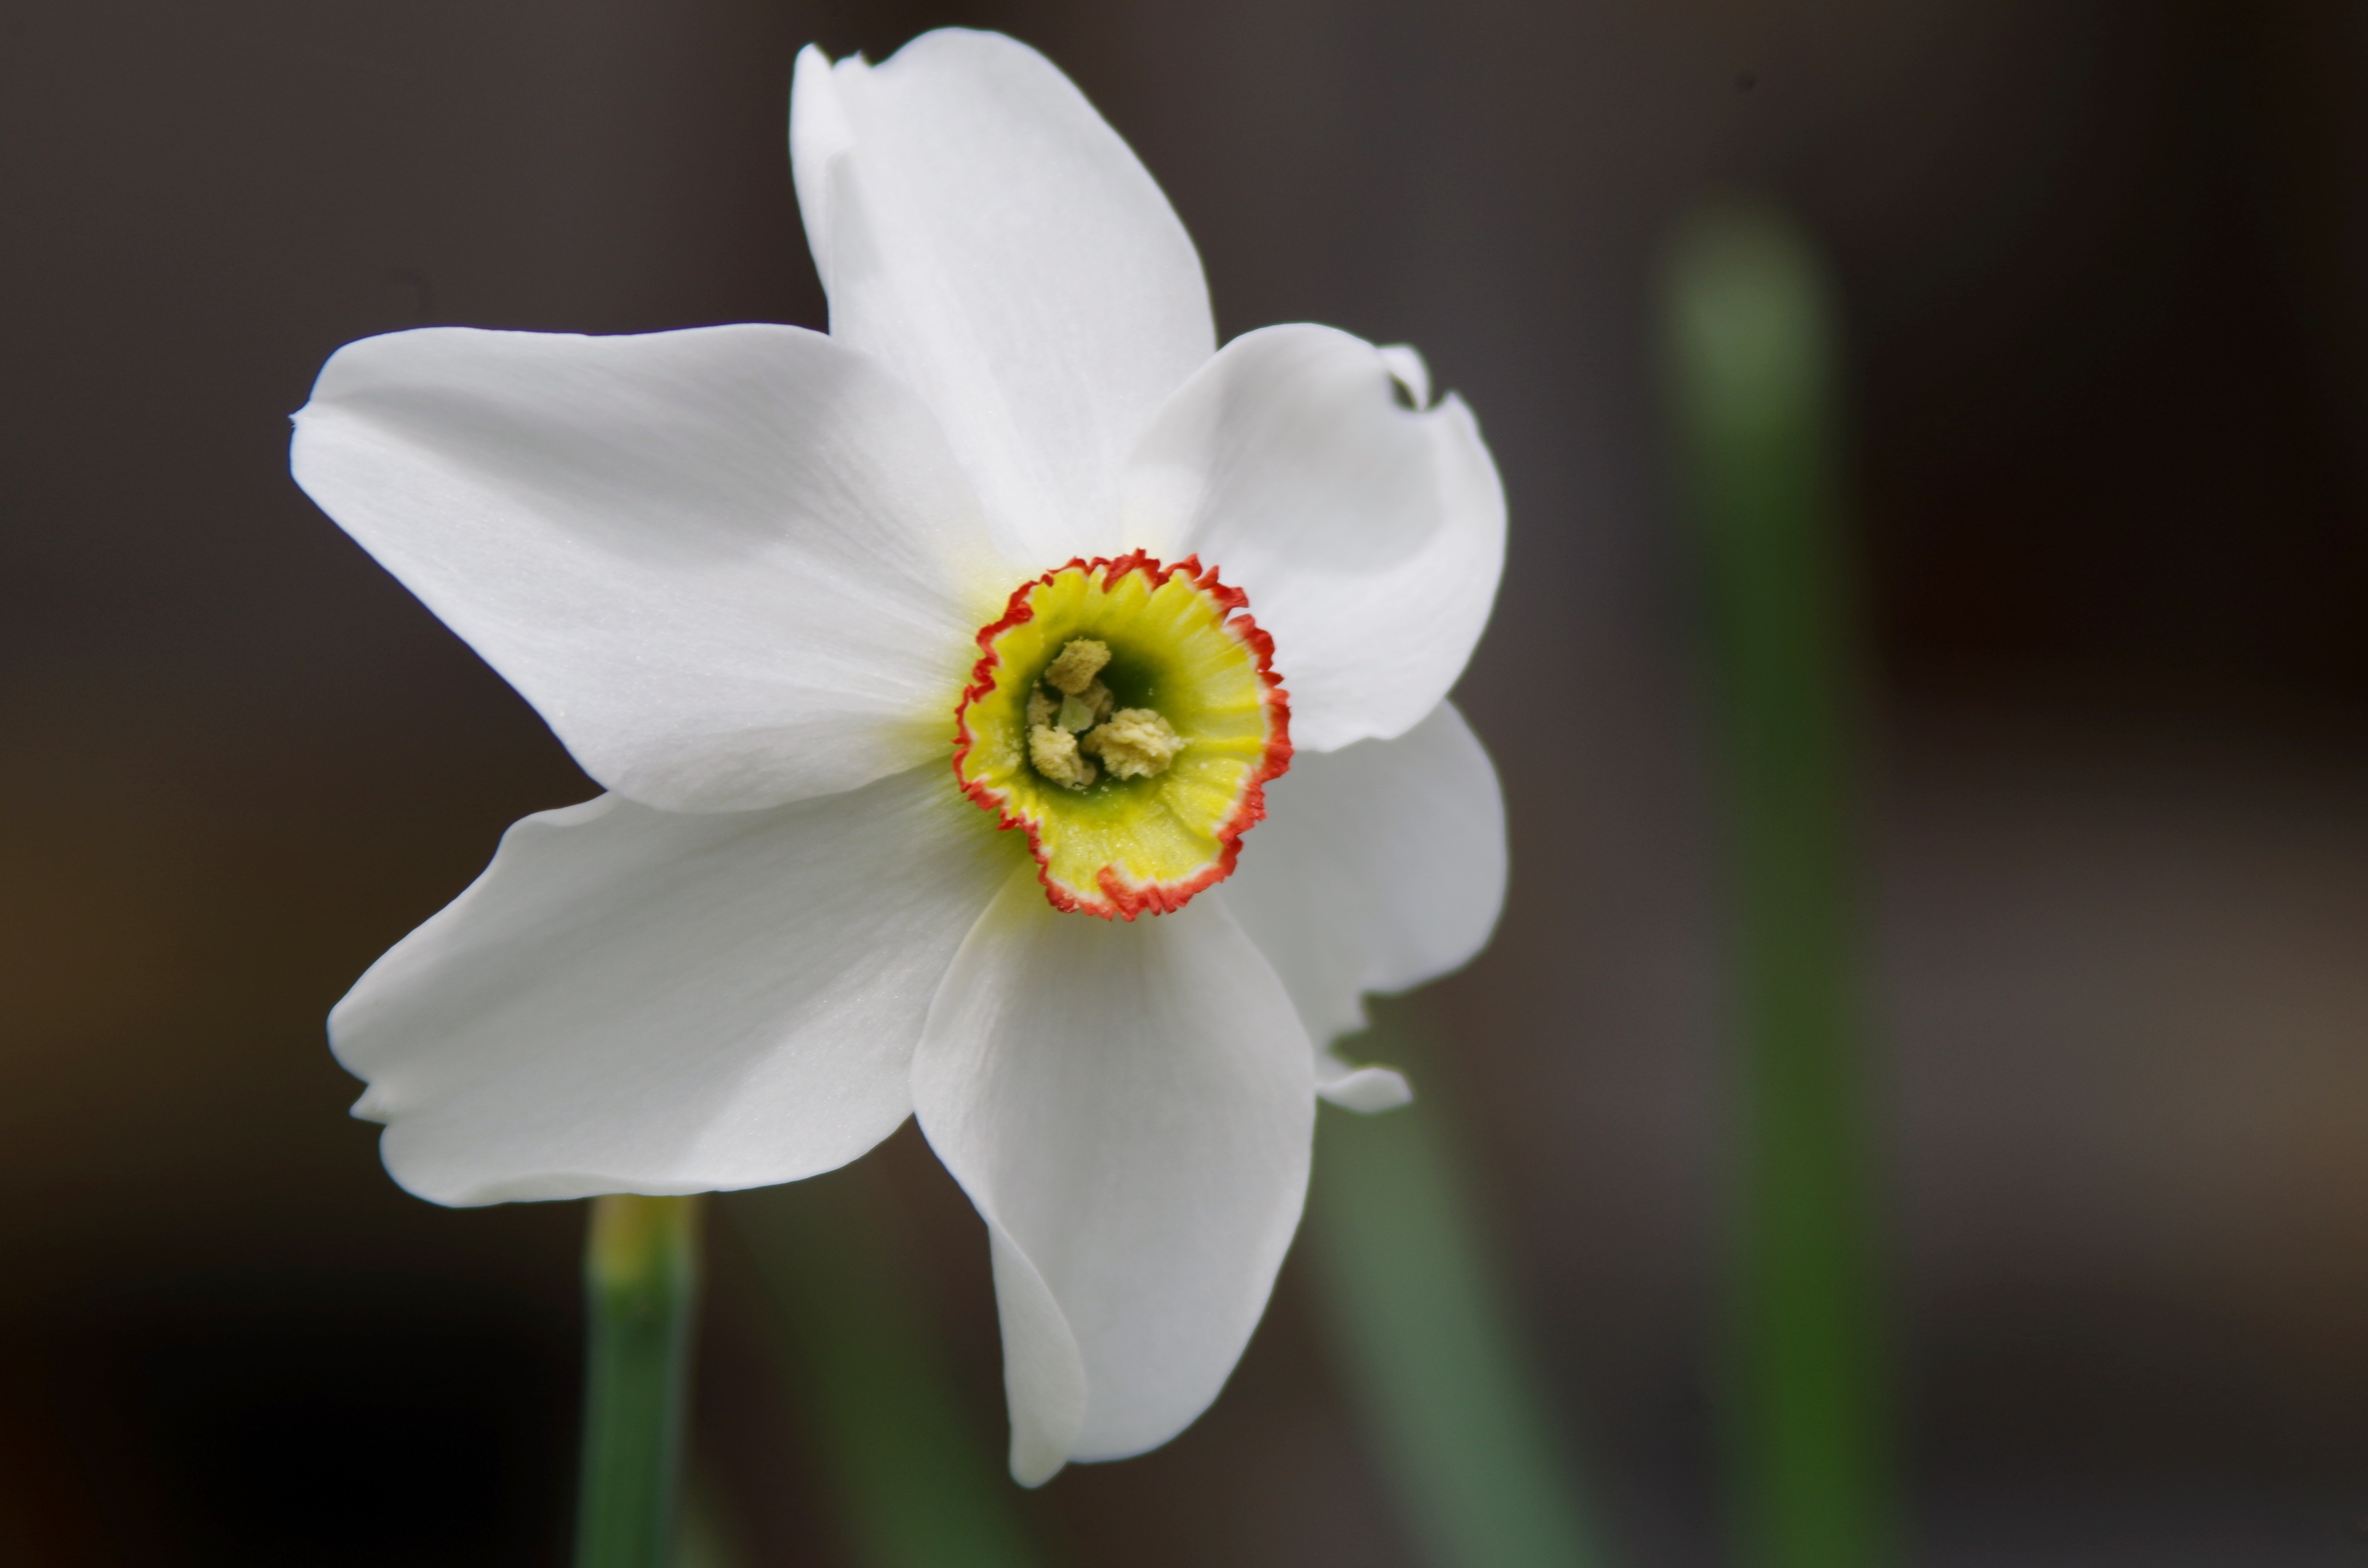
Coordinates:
(1126, 715)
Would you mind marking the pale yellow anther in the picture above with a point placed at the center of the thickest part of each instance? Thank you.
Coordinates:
(1076, 666)
(1054, 753)
(1133, 742)
(1137, 744)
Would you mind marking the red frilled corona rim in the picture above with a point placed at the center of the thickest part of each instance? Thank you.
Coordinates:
(1181, 645)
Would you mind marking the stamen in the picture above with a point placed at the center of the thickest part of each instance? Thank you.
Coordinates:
(1137, 744)
(1077, 666)
(1133, 742)
(1054, 753)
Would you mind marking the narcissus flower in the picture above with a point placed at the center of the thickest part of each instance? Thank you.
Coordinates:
(1015, 710)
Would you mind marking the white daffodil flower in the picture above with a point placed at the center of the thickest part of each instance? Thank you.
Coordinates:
(936, 671)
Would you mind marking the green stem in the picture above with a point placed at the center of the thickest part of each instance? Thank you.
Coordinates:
(640, 1287)
(918, 1479)
(1751, 338)
(1428, 1342)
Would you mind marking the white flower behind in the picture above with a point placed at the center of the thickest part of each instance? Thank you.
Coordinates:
(750, 575)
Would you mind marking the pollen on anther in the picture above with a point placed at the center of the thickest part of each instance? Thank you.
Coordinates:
(1054, 753)
(1137, 743)
(1076, 665)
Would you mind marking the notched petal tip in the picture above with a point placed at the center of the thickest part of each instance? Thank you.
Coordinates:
(1365, 1090)
(1408, 371)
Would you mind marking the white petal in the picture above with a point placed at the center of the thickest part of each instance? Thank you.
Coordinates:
(1131, 1108)
(1369, 536)
(732, 566)
(631, 1000)
(1364, 1090)
(1377, 868)
(1043, 1374)
(982, 230)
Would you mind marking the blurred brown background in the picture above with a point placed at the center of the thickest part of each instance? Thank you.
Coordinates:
(2105, 269)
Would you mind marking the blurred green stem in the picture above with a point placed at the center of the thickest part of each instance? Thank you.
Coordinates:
(640, 1285)
(1430, 1345)
(913, 1467)
(1750, 344)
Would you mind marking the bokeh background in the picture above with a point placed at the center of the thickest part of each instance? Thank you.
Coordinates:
(2103, 267)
